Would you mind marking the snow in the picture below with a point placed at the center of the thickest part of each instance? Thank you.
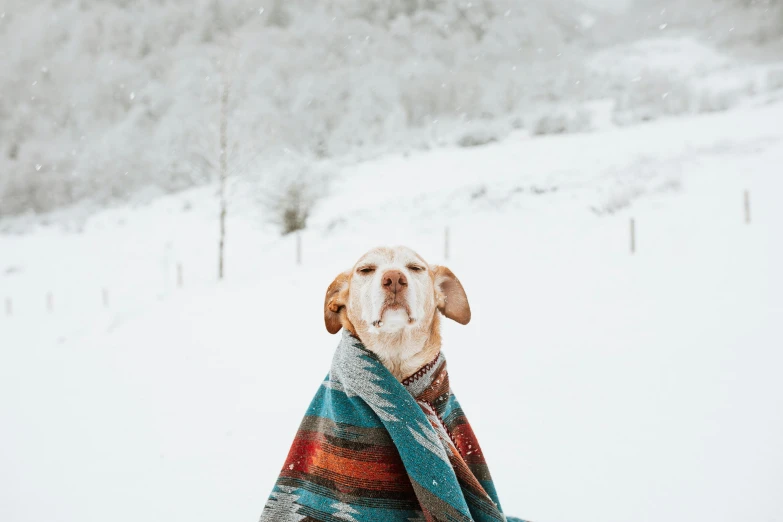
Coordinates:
(682, 56)
(103, 100)
(603, 386)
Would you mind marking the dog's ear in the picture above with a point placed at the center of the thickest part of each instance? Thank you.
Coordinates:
(450, 296)
(335, 301)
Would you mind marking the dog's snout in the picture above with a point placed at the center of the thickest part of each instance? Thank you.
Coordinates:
(393, 281)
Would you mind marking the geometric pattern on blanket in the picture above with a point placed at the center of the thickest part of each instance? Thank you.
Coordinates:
(373, 449)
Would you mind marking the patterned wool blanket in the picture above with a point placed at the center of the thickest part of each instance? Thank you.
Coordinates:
(372, 449)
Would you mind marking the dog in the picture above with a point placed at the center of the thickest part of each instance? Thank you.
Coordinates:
(384, 438)
(392, 300)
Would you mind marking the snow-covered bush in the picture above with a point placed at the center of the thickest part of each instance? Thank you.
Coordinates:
(482, 132)
(289, 194)
(561, 119)
(292, 207)
(652, 96)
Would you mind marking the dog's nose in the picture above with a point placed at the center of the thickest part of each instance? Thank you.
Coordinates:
(393, 281)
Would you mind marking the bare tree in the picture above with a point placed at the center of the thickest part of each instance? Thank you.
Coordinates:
(224, 96)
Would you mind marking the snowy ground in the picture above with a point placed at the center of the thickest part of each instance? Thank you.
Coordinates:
(603, 386)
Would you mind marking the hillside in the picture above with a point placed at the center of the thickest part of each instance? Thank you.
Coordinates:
(102, 99)
(604, 386)
(110, 101)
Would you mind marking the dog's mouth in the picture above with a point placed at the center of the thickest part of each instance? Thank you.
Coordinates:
(393, 306)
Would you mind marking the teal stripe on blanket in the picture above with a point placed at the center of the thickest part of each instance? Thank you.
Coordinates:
(373, 449)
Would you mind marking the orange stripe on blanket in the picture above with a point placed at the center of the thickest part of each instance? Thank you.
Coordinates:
(367, 454)
(308, 454)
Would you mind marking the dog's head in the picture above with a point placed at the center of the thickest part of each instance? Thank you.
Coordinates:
(392, 291)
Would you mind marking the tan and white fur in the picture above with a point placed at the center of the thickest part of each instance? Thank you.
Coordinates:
(390, 300)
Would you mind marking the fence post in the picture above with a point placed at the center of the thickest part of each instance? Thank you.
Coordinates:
(747, 207)
(105, 295)
(9, 309)
(633, 236)
(446, 243)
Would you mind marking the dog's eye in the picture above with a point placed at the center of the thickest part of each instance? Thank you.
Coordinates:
(415, 268)
(366, 270)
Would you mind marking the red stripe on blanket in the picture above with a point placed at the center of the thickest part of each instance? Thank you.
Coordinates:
(374, 471)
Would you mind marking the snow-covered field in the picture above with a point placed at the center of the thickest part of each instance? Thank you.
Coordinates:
(604, 386)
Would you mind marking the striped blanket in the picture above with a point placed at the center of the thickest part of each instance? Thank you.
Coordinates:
(372, 449)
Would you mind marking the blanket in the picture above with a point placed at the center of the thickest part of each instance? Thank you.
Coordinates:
(373, 449)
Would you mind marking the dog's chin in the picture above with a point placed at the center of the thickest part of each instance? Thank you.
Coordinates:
(394, 321)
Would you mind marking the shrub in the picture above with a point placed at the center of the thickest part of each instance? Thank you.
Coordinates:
(290, 197)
